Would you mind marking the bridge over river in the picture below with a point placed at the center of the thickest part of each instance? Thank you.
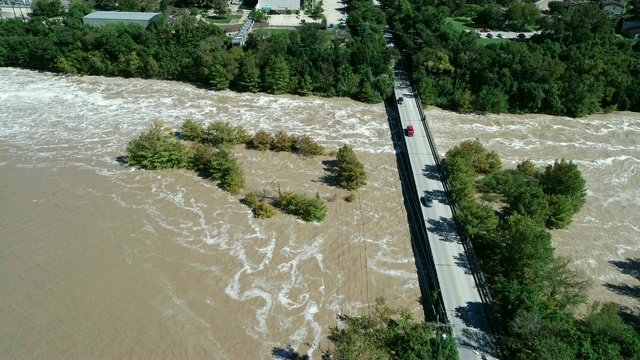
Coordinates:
(464, 300)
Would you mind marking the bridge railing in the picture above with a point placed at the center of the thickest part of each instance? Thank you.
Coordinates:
(474, 263)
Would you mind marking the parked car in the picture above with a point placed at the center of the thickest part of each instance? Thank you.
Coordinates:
(400, 100)
(500, 36)
(410, 131)
(486, 30)
(490, 36)
(522, 36)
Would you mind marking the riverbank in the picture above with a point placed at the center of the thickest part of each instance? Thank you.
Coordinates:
(603, 240)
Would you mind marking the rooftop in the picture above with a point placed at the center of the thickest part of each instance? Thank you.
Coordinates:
(119, 15)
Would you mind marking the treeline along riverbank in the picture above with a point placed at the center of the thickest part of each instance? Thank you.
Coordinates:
(304, 62)
(576, 66)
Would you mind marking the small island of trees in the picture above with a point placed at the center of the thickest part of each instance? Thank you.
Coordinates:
(210, 155)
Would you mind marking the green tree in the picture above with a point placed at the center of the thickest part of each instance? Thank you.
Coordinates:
(519, 15)
(262, 140)
(492, 100)
(527, 251)
(483, 162)
(251, 199)
(220, 78)
(221, 133)
(258, 15)
(608, 336)
(459, 169)
(150, 5)
(129, 5)
(201, 157)
(233, 180)
(476, 218)
(314, 210)
(566, 190)
(527, 169)
(106, 5)
(529, 201)
(248, 77)
(155, 150)
(389, 333)
(47, 8)
(224, 167)
(220, 7)
(350, 171)
(535, 336)
(191, 130)
(221, 163)
(491, 16)
(264, 210)
(276, 76)
(307, 209)
(306, 146)
(317, 12)
(465, 104)
(282, 141)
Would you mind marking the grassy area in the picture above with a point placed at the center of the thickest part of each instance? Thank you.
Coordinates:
(531, 28)
(485, 41)
(225, 20)
(461, 23)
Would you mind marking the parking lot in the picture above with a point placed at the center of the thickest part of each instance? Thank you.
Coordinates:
(334, 10)
(502, 34)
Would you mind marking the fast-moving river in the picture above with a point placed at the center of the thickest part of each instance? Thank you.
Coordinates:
(102, 261)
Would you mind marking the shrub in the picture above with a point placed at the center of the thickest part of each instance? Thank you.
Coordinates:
(201, 156)
(264, 211)
(154, 150)
(527, 169)
(350, 198)
(308, 209)
(282, 141)
(222, 133)
(291, 203)
(224, 168)
(233, 180)
(251, 199)
(191, 130)
(262, 140)
(315, 210)
(306, 146)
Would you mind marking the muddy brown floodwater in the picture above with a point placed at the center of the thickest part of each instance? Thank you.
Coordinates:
(102, 261)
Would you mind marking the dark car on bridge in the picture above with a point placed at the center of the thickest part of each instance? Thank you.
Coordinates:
(427, 200)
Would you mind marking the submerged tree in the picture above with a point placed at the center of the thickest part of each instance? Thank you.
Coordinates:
(351, 174)
(156, 149)
(566, 191)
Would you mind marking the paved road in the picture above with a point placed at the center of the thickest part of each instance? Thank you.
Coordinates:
(461, 299)
(505, 34)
